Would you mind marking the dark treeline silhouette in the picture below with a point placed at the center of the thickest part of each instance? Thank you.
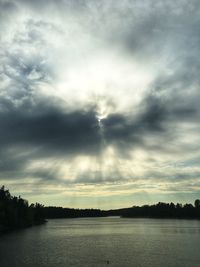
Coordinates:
(15, 212)
(165, 210)
(59, 212)
(160, 210)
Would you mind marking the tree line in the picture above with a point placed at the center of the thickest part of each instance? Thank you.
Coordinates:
(15, 212)
(160, 210)
(60, 212)
(165, 210)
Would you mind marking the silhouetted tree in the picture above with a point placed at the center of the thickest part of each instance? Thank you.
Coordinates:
(197, 203)
(15, 212)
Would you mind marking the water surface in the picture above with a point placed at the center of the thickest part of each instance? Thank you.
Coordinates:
(104, 242)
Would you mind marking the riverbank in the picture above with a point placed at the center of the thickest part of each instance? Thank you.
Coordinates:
(6, 229)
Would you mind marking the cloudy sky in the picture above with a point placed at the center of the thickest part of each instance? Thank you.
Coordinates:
(99, 101)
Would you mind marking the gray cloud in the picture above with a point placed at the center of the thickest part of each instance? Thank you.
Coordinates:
(38, 124)
(52, 129)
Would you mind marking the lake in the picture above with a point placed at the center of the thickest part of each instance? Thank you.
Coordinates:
(108, 241)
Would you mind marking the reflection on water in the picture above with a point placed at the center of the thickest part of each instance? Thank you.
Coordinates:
(102, 242)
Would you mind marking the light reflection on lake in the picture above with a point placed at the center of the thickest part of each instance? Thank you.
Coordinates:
(104, 242)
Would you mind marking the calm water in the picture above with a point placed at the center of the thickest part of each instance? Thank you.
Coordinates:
(93, 242)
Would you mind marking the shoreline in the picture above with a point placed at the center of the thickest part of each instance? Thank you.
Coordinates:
(6, 230)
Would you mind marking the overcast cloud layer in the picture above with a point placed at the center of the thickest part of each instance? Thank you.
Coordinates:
(99, 101)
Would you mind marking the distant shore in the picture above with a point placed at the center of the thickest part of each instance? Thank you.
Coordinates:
(160, 210)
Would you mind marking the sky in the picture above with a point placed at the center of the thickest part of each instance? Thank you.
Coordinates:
(99, 101)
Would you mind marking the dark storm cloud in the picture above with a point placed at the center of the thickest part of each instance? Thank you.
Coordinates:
(50, 128)
(131, 132)
(156, 117)
(44, 124)
(41, 131)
